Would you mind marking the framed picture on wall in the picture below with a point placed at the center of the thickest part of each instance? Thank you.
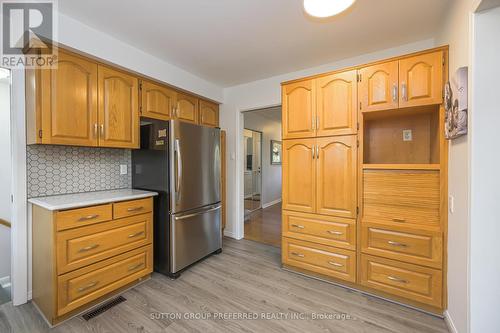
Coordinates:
(275, 152)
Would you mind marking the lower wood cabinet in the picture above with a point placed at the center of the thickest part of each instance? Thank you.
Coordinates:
(82, 255)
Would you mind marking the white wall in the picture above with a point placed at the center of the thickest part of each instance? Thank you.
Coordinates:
(5, 177)
(485, 179)
(266, 93)
(456, 32)
(271, 174)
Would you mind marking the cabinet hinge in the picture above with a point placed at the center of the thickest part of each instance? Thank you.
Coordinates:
(40, 134)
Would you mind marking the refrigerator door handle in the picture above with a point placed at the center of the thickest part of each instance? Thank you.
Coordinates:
(178, 175)
(187, 216)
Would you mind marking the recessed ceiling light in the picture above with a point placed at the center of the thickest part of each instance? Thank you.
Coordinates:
(326, 8)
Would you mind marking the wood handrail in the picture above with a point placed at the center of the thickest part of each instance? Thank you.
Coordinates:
(5, 223)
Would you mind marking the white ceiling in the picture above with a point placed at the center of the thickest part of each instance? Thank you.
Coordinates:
(229, 42)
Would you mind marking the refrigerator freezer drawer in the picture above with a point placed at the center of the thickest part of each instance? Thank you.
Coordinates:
(194, 235)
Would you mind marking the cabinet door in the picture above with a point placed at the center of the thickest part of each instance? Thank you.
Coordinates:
(118, 109)
(69, 102)
(421, 80)
(299, 110)
(187, 108)
(299, 175)
(209, 114)
(378, 89)
(336, 104)
(157, 101)
(336, 176)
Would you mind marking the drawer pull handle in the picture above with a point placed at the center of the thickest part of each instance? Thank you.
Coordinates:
(396, 279)
(90, 285)
(397, 244)
(298, 226)
(336, 264)
(399, 220)
(88, 248)
(297, 254)
(338, 233)
(136, 234)
(88, 217)
(134, 209)
(134, 267)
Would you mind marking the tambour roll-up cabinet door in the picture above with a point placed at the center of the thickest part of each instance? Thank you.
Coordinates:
(299, 175)
(299, 110)
(118, 109)
(336, 101)
(336, 176)
(378, 88)
(69, 102)
(421, 80)
(157, 101)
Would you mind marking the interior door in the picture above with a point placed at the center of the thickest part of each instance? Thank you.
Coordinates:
(299, 110)
(118, 109)
(336, 176)
(337, 104)
(378, 89)
(421, 80)
(187, 108)
(299, 175)
(157, 102)
(69, 102)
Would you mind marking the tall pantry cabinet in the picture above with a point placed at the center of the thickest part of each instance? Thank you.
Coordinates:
(364, 178)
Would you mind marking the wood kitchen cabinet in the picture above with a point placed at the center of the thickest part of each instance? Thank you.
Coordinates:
(378, 87)
(157, 101)
(209, 113)
(187, 108)
(298, 110)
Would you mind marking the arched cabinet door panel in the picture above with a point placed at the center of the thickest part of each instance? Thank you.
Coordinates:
(299, 175)
(299, 110)
(378, 87)
(157, 102)
(209, 114)
(187, 108)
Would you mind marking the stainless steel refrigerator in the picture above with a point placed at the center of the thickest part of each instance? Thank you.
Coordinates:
(181, 162)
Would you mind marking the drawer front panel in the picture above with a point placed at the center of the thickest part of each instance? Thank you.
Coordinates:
(330, 231)
(87, 284)
(84, 246)
(420, 284)
(401, 196)
(131, 208)
(417, 247)
(326, 260)
(75, 218)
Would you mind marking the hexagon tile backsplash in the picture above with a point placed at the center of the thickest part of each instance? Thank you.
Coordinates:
(56, 170)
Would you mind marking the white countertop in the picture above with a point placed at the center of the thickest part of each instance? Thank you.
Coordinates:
(68, 201)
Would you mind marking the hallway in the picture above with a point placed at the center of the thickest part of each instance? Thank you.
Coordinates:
(264, 226)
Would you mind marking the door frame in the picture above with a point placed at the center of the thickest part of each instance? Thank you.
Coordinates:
(261, 169)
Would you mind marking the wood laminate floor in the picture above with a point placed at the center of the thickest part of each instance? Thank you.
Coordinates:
(245, 279)
(264, 226)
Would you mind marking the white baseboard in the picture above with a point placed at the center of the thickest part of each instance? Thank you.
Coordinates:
(272, 203)
(5, 282)
(449, 322)
(231, 234)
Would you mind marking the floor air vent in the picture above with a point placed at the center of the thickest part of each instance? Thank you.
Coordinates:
(103, 308)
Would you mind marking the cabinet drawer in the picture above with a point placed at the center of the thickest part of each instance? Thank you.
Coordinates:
(414, 246)
(131, 208)
(87, 284)
(75, 218)
(420, 284)
(326, 260)
(401, 196)
(339, 232)
(84, 246)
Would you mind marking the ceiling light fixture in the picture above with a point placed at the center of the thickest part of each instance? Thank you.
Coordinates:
(326, 8)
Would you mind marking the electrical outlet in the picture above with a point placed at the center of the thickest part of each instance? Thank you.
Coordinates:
(407, 135)
(451, 204)
(123, 169)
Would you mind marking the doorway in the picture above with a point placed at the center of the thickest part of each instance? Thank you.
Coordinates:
(262, 175)
(5, 186)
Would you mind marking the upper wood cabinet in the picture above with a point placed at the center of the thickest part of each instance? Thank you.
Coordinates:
(61, 103)
(299, 110)
(421, 79)
(378, 88)
(209, 113)
(118, 109)
(336, 96)
(336, 170)
(187, 108)
(157, 101)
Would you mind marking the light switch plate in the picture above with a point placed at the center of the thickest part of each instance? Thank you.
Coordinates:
(451, 204)
(123, 169)
(407, 135)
